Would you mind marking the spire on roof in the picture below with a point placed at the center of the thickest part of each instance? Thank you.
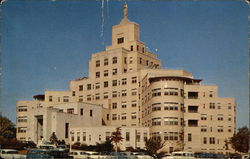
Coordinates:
(125, 10)
(125, 13)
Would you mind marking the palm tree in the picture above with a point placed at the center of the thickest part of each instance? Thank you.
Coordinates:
(116, 137)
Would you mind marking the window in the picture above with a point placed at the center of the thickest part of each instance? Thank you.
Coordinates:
(192, 123)
(133, 115)
(156, 106)
(140, 60)
(170, 135)
(81, 111)
(90, 112)
(125, 60)
(203, 128)
(21, 129)
(212, 140)
(127, 136)
(78, 137)
(170, 106)
(105, 95)
(171, 91)
(114, 105)
(156, 136)
(220, 117)
(211, 105)
(192, 95)
(114, 83)
(156, 121)
(124, 117)
(133, 92)
(137, 47)
(80, 99)
(170, 121)
(97, 63)
(130, 60)
(114, 116)
(134, 104)
(97, 85)
(97, 75)
(138, 136)
(189, 137)
(89, 97)
(22, 119)
(80, 87)
(97, 96)
(106, 62)
(50, 98)
(114, 60)
(106, 73)
(124, 93)
(203, 116)
(84, 136)
(105, 84)
(22, 109)
(114, 94)
(220, 128)
(114, 71)
(120, 40)
(131, 48)
(66, 130)
(124, 105)
(88, 86)
(124, 81)
(134, 80)
(107, 116)
(73, 93)
(72, 136)
(65, 98)
(193, 109)
(204, 140)
(147, 62)
(70, 110)
(156, 92)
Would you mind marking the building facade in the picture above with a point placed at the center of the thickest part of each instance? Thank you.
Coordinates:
(128, 83)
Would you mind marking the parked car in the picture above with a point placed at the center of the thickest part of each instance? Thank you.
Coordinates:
(11, 154)
(46, 153)
(79, 155)
(180, 155)
(142, 155)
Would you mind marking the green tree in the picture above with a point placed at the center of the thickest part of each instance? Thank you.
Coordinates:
(53, 138)
(7, 128)
(240, 140)
(116, 137)
(153, 145)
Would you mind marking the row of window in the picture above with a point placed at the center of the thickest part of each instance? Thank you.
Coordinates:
(105, 62)
(65, 99)
(22, 108)
(123, 105)
(166, 136)
(106, 84)
(220, 117)
(83, 136)
(219, 129)
(115, 94)
(123, 116)
(166, 121)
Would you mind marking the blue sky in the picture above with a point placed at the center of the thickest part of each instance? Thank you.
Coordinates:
(45, 44)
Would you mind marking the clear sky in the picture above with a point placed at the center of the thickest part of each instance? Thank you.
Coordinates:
(45, 44)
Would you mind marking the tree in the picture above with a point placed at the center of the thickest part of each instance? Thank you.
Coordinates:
(116, 137)
(53, 138)
(240, 140)
(7, 128)
(152, 145)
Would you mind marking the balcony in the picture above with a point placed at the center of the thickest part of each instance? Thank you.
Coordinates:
(192, 109)
(192, 123)
(192, 95)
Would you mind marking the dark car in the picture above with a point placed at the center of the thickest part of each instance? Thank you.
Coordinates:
(48, 154)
